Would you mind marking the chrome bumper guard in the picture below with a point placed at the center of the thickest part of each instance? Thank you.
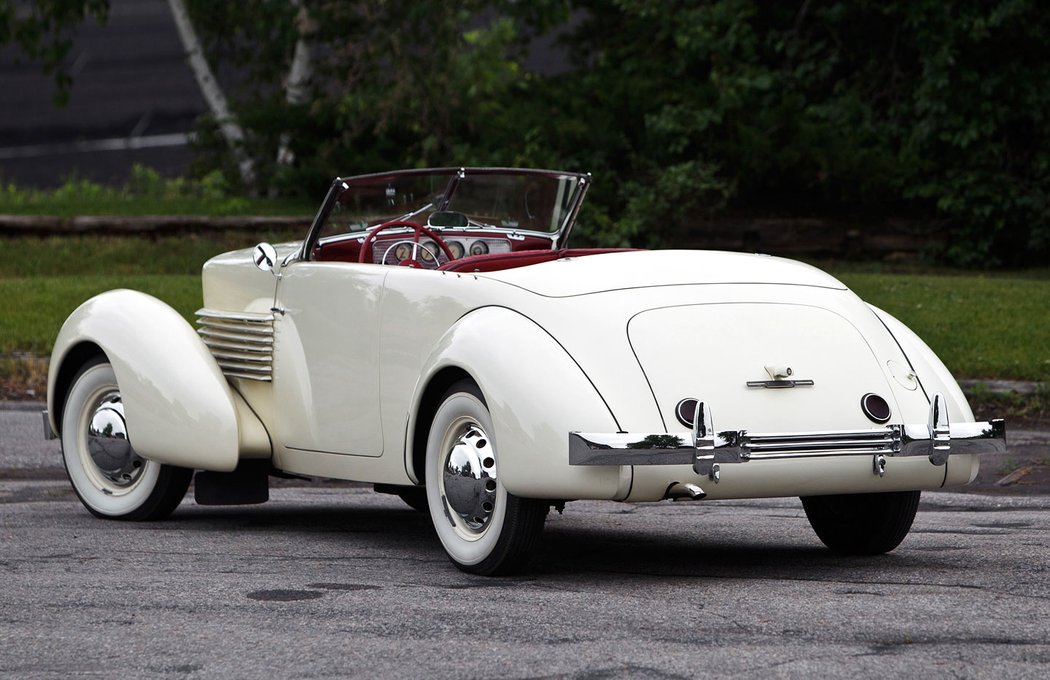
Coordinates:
(708, 449)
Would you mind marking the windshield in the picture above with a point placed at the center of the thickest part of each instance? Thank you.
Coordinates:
(525, 200)
(528, 202)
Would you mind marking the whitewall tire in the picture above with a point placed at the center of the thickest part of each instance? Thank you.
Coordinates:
(484, 529)
(110, 479)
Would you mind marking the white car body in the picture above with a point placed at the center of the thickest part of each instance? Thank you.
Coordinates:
(333, 369)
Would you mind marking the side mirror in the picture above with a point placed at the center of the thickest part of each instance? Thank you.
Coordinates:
(265, 257)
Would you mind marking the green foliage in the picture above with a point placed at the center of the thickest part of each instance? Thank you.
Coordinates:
(144, 193)
(1034, 405)
(44, 30)
(925, 109)
(928, 110)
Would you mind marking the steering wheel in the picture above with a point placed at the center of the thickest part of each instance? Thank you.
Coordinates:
(366, 245)
(408, 261)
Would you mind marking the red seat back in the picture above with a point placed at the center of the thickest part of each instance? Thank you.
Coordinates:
(494, 262)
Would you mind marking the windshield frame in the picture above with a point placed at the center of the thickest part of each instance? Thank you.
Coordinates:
(558, 237)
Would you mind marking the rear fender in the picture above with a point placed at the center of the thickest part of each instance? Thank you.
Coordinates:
(536, 394)
(933, 375)
(179, 407)
(935, 378)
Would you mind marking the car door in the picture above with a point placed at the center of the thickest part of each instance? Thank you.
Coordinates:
(326, 357)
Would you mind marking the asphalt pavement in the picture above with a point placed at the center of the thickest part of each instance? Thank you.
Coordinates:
(342, 582)
(334, 580)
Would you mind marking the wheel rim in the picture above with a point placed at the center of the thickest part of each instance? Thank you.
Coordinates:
(468, 477)
(105, 451)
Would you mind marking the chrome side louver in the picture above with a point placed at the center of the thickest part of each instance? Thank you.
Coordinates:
(242, 344)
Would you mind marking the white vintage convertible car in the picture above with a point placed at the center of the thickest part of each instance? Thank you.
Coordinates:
(434, 334)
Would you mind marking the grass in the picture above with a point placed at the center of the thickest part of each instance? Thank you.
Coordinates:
(37, 306)
(94, 256)
(51, 276)
(146, 193)
(981, 325)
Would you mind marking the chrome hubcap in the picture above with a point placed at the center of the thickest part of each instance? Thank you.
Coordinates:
(108, 445)
(469, 478)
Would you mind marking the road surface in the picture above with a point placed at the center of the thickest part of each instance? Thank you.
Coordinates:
(332, 580)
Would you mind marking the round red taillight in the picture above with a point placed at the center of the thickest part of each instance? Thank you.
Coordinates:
(875, 408)
(686, 411)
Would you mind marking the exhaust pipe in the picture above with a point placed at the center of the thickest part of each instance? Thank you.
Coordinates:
(678, 491)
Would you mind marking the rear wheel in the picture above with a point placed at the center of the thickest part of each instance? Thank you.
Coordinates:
(862, 524)
(484, 529)
(110, 479)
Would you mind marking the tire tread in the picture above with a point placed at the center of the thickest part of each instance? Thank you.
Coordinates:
(862, 524)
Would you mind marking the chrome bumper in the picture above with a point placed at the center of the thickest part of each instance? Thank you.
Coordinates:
(707, 449)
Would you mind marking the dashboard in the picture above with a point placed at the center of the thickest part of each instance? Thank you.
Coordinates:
(396, 249)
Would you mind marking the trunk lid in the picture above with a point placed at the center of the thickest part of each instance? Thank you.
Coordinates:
(574, 276)
(710, 352)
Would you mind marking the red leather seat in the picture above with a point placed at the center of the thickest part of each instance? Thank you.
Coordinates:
(494, 262)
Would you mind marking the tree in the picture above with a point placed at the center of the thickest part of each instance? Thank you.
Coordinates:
(930, 110)
(212, 92)
(44, 32)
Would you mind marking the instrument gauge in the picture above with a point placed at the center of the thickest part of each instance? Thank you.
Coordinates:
(479, 248)
(457, 249)
(402, 252)
(427, 250)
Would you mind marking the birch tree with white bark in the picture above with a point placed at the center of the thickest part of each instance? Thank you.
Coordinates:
(212, 91)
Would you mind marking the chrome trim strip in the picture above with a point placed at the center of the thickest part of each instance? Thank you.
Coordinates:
(779, 384)
(242, 344)
(234, 346)
(259, 338)
(707, 448)
(241, 357)
(236, 317)
(244, 376)
(250, 332)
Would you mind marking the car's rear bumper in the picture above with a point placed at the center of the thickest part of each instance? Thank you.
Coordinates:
(707, 449)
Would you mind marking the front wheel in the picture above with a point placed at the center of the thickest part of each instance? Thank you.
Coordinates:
(110, 479)
(484, 529)
(862, 524)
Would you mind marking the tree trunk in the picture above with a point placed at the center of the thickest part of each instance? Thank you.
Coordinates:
(298, 77)
(212, 92)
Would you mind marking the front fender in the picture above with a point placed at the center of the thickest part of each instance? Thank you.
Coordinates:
(179, 407)
(536, 394)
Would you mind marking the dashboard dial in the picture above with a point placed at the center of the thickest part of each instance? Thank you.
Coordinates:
(457, 249)
(479, 248)
(427, 250)
(402, 252)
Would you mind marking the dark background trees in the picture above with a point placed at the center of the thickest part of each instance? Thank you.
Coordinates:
(931, 111)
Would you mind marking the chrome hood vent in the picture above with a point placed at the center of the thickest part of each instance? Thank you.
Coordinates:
(242, 344)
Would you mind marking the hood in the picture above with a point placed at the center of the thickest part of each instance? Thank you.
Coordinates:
(232, 283)
(652, 268)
